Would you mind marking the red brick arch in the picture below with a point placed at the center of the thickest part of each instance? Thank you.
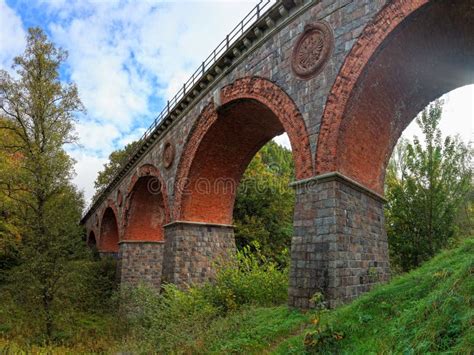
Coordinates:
(146, 206)
(284, 108)
(410, 54)
(223, 140)
(109, 229)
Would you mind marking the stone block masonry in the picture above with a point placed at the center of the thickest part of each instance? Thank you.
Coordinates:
(339, 246)
(194, 250)
(141, 262)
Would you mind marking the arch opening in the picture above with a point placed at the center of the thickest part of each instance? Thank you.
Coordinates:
(91, 240)
(241, 129)
(109, 236)
(224, 141)
(429, 53)
(146, 213)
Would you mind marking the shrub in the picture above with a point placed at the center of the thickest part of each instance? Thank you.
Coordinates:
(157, 321)
(249, 279)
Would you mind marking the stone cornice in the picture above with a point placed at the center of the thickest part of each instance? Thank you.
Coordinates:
(336, 176)
(204, 224)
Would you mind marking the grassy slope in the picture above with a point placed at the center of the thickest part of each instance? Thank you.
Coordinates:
(428, 310)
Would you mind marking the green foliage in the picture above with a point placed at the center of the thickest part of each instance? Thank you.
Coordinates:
(10, 212)
(427, 186)
(428, 310)
(175, 319)
(111, 168)
(263, 211)
(322, 337)
(250, 279)
(252, 330)
(165, 321)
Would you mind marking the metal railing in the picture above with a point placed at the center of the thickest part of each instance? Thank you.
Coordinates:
(216, 55)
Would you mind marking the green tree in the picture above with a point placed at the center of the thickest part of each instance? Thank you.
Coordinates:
(426, 186)
(263, 211)
(116, 159)
(10, 214)
(38, 112)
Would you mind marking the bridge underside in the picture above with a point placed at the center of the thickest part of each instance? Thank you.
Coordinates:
(170, 219)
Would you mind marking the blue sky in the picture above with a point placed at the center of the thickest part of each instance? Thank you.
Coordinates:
(129, 57)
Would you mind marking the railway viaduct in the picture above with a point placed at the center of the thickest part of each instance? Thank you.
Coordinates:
(342, 78)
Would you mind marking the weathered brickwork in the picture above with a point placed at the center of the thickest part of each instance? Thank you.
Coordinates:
(109, 231)
(285, 110)
(378, 93)
(141, 262)
(193, 251)
(340, 246)
(376, 64)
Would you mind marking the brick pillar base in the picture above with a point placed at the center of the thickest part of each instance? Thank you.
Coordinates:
(193, 251)
(339, 246)
(141, 261)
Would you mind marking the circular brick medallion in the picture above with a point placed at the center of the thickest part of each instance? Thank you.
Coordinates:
(312, 50)
(168, 154)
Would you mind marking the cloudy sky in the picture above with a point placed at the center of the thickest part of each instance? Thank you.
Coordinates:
(129, 57)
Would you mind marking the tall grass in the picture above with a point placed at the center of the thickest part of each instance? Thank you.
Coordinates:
(176, 319)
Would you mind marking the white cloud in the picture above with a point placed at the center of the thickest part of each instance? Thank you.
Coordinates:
(126, 56)
(135, 135)
(283, 140)
(12, 36)
(457, 117)
(97, 137)
(87, 166)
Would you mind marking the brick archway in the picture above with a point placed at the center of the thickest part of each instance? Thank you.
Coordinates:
(146, 206)
(109, 229)
(410, 54)
(272, 96)
(224, 139)
(91, 240)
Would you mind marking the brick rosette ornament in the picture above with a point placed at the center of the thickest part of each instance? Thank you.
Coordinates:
(168, 155)
(312, 50)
